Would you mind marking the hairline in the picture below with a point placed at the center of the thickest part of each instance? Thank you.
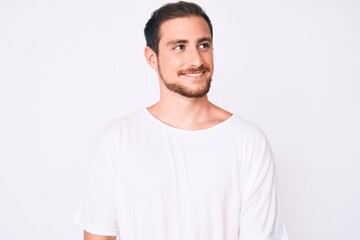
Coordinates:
(174, 17)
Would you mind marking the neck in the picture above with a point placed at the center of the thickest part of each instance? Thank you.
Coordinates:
(187, 113)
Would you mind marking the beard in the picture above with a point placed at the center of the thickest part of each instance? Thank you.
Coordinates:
(185, 91)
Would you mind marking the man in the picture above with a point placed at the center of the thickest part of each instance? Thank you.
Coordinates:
(182, 169)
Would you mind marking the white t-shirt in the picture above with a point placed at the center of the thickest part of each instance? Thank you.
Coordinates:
(150, 181)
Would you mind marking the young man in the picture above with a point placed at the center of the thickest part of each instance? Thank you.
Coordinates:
(182, 169)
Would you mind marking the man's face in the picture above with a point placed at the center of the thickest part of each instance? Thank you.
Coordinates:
(185, 58)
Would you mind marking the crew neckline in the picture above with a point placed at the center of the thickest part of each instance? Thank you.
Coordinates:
(160, 123)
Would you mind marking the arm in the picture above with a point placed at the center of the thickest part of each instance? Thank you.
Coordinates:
(90, 236)
(96, 213)
(261, 216)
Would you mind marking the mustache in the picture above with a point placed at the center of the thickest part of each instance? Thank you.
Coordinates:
(202, 68)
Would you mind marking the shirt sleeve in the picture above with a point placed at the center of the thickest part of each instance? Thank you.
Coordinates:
(96, 212)
(260, 217)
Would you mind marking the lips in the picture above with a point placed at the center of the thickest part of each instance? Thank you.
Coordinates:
(193, 74)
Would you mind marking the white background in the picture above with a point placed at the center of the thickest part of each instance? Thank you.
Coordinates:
(68, 67)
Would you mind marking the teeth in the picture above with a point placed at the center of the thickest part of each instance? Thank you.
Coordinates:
(193, 74)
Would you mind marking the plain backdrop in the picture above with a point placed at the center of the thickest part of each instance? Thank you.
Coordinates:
(68, 67)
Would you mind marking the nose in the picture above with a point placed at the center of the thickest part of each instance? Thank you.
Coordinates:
(194, 58)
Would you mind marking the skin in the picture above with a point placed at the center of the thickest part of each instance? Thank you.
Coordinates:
(90, 236)
(185, 47)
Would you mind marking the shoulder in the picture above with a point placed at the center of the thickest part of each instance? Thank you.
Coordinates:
(237, 124)
(123, 124)
(253, 144)
(248, 135)
(135, 117)
(246, 127)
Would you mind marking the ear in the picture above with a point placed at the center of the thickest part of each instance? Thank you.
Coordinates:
(151, 58)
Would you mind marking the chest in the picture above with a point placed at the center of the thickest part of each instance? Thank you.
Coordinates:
(181, 167)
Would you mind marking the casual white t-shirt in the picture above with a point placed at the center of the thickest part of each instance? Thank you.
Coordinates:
(150, 181)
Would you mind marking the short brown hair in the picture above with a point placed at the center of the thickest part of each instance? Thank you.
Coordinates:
(170, 11)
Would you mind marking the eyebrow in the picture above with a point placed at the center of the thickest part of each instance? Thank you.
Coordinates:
(205, 39)
(177, 41)
(173, 42)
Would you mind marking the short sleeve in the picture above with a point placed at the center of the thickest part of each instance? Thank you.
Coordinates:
(260, 217)
(96, 212)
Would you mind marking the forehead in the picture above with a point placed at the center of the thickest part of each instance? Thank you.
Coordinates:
(184, 28)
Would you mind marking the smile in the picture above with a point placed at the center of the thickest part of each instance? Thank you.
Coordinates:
(193, 74)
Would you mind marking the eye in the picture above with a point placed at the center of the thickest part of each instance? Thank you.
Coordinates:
(204, 45)
(179, 47)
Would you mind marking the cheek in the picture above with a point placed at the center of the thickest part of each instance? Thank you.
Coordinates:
(210, 57)
(207, 57)
(171, 64)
